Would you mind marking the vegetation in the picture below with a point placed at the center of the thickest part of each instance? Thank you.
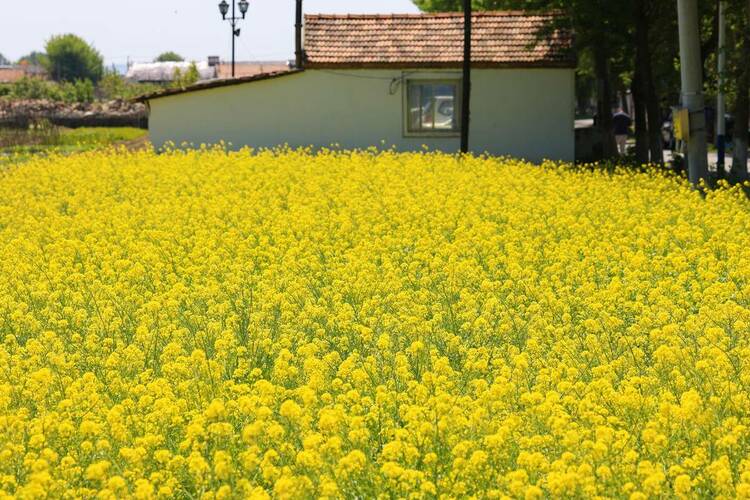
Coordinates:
(70, 58)
(114, 86)
(111, 86)
(35, 88)
(202, 324)
(34, 58)
(189, 77)
(169, 57)
(44, 139)
(4, 61)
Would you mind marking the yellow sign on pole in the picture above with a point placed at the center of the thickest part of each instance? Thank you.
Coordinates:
(681, 118)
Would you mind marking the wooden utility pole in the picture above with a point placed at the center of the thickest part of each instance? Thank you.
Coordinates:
(692, 90)
(466, 87)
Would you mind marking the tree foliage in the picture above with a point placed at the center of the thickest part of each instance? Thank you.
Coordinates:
(34, 58)
(187, 78)
(70, 58)
(169, 56)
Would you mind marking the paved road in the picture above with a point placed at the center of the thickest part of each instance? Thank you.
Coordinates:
(712, 159)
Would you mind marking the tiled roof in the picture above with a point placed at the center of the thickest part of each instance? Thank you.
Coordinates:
(435, 40)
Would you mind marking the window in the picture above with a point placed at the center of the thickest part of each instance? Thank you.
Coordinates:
(432, 107)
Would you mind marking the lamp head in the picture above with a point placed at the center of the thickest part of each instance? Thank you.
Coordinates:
(244, 6)
(224, 8)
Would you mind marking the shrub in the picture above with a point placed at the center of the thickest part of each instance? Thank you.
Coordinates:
(114, 86)
(35, 88)
(189, 77)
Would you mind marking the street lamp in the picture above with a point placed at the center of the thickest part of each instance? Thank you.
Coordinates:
(244, 5)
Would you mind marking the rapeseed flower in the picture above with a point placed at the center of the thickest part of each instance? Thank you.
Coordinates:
(203, 324)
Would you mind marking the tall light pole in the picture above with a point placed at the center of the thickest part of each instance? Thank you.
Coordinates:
(244, 5)
(691, 70)
(721, 123)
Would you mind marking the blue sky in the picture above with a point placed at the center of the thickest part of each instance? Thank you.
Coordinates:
(141, 29)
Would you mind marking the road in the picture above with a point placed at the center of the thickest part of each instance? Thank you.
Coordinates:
(712, 156)
(712, 159)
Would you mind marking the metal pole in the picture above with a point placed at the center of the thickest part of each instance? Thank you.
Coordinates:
(720, 99)
(299, 59)
(466, 87)
(234, 32)
(692, 90)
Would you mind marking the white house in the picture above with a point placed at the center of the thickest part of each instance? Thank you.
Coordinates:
(393, 80)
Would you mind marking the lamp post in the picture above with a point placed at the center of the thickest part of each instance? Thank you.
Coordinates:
(244, 5)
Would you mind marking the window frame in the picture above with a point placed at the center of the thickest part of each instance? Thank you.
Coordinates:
(426, 80)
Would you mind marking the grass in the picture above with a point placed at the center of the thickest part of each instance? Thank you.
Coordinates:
(17, 146)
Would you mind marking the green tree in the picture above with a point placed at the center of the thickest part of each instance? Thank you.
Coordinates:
(169, 57)
(70, 58)
(34, 58)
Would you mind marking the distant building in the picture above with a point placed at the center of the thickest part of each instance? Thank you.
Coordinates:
(164, 72)
(14, 73)
(252, 68)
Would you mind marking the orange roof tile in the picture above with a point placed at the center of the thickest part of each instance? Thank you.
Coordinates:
(435, 40)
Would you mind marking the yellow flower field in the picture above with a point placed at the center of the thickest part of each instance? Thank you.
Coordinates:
(361, 325)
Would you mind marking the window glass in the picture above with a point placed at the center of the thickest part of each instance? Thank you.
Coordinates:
(432, 106)
(414, 108)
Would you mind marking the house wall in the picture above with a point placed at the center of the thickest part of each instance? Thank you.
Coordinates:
(526, 113)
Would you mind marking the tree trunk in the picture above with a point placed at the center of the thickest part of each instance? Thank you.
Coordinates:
(655, 141)
(604, 102)
(742, 111)
(643, 65)
(639, 111)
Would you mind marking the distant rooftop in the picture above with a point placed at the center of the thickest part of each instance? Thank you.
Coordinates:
(251, 68)
(500, 39)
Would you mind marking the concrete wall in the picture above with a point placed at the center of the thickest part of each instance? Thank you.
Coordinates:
(527, 113)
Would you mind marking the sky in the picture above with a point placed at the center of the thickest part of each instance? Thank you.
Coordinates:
(142, 29)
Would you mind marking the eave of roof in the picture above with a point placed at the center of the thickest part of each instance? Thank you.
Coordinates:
(215, 84)
(566, 64)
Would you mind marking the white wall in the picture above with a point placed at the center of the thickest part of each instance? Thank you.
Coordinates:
(526, 113)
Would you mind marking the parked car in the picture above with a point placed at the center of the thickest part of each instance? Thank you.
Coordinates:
(443, 117)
